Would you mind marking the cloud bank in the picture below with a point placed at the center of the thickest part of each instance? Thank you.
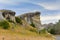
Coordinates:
(50, 19)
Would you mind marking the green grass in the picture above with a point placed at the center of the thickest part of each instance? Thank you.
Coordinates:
(4, 24)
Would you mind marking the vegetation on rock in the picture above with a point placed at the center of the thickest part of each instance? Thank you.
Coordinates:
(4, 24)
(32, 24)
(18, 20)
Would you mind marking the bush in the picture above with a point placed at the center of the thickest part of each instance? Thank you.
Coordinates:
(11, 21)
(4, 24)
(43, 31)
(32, 24)
(18, 20)
(52, 31)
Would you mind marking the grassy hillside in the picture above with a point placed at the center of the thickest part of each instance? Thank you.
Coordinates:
(20, 32)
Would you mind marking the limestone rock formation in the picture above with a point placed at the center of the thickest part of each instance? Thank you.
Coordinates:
(1, 17)
(7, 14)
(32, 17)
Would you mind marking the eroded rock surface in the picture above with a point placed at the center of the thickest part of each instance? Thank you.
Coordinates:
(7, 14)
(32, 17)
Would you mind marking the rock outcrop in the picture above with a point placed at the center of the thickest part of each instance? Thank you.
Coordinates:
(7, 14)
(32, 17)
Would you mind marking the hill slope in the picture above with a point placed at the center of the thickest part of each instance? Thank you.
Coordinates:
(21, 33)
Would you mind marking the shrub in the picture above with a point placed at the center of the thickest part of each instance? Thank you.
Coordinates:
(43, 31)
(32, 24)
(52, 31)
(18, 20)
(4, 24)
(11, 21)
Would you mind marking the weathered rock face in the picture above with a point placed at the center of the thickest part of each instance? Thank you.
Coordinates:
(32, 17)
(7, 14)
(1, 17)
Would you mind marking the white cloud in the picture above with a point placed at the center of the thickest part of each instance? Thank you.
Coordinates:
(55, 5)
(6, 2)
(50, 19)
(46, 5)
(50, 6)
(12, 2)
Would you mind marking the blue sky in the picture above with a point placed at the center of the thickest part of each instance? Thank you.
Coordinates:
(50, 9)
